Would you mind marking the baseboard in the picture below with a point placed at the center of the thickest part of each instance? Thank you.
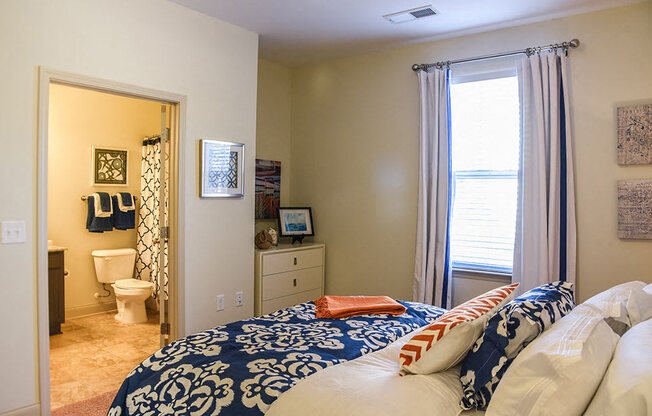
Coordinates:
(32, 410)
(84, 310)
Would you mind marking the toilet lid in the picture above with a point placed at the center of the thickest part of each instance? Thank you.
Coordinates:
(133, 284)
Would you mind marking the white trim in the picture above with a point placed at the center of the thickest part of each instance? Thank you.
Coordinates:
(46, 77)
(91, 309)
(31, 410)
(483, 76)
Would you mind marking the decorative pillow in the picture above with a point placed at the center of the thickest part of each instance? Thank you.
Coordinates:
(626, 388)
(444, 343)
(559, 372)
(513, 327)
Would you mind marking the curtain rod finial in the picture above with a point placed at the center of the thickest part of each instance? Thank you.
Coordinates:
(416, 67)
(574, 43)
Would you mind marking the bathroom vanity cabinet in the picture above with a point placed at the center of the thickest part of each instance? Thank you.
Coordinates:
(56, 295)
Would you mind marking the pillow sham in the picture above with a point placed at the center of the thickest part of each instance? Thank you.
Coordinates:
(558, 372)
(626, 388)
(615, 302)
(513, 327)
(443, 343)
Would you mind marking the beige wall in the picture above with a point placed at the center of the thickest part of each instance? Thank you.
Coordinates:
(273, 128)
(355, 148)
(154, 44)
(80, 119)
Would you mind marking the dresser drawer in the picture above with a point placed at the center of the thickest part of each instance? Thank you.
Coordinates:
(289, 283)
(287, 301)
(295, 260)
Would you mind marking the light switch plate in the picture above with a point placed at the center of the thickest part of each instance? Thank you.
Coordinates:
(13, 232)
(220, 302)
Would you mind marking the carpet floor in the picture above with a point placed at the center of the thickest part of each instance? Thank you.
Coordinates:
(95, 406)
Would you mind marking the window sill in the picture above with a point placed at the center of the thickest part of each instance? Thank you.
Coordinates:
(481, 275)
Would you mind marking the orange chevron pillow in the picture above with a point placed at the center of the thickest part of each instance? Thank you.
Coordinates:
(444, 343)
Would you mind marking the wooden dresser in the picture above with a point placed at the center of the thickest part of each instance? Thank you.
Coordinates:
(287, 275)
(56, 285)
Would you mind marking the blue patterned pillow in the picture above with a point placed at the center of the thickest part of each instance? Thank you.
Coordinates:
(513, 327)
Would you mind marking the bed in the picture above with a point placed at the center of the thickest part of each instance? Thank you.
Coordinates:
(289, 363)
(241, 368)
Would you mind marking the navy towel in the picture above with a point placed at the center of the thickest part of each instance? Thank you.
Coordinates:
(122, 220)
(105, 201)
(96, 224)
(126, 199)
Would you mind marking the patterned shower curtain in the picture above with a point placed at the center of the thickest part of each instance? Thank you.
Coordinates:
(149, 221)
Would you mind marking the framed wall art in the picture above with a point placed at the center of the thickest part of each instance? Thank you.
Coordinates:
(222, 169)
(268, 188)
(635, 209)
(295, 222)
(109, 166)
(634, 134)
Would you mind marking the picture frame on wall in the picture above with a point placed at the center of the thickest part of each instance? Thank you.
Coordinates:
(635, 209)
(221, 169)
(295, 222)
(268, 188)
(109, 166)
(634, 134)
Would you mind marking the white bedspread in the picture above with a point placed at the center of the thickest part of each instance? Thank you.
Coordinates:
(371, 386)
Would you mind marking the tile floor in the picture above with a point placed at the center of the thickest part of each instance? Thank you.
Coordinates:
(95, 353)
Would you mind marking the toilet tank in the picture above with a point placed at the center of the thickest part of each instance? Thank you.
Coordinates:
(112, 265)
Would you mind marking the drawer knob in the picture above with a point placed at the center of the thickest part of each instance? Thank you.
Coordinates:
(295, 261)
(295, 282)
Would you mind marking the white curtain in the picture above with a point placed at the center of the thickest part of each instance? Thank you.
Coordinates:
(431, 269)
(147, 262)
(545, 244)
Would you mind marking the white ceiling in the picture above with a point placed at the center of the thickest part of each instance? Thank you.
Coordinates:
(296, 32)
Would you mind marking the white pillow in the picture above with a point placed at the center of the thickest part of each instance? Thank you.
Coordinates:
(639, 306)
(648, 288)
(627, 385)
(615, 302)
(558, 372)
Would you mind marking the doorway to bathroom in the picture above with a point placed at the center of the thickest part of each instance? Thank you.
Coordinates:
(109, 218)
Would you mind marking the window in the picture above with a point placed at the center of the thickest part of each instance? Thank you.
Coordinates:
(485, 157)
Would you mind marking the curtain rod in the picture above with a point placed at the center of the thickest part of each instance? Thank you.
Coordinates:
(574, 43)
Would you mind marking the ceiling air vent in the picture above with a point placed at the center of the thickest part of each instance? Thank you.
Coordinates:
(412, 14)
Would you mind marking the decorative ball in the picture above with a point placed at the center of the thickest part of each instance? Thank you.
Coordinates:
(263, 240)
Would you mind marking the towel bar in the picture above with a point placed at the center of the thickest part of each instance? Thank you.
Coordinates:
(84, 198)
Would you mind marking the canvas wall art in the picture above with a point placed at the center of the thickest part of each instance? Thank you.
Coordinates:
(109, 166)
(635, 209)
(222, 169)
(635, 134)
(268, 188)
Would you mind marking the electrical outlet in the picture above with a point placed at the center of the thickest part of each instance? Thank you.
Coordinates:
(239, 298)
(220, 302)
(14, 232)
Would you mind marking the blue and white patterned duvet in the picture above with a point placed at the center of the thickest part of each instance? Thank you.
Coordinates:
(242, 367)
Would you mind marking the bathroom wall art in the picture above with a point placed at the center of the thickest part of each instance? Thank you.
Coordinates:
(268, 188)
(222, 169)
(109, 166)
(635, 209)
(635, 134)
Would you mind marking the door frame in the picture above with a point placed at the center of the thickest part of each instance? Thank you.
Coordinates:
(176, 244)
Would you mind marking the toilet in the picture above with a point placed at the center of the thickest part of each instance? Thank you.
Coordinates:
(117, 267)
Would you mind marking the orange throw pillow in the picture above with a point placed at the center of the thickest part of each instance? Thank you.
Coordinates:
(444, 343)
(335, 307)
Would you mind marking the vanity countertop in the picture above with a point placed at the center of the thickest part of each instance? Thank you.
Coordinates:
(54, 249)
